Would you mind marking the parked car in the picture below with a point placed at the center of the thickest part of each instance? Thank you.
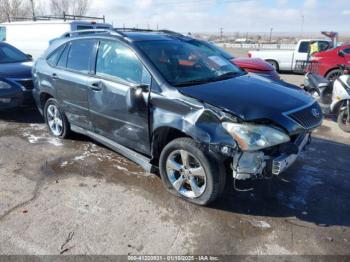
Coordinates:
(286, 60)
(16, 82)
(33, 37)
(327, 63)
(171, 106)
(252, 65)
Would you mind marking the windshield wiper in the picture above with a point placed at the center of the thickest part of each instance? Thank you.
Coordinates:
(224, 76)
(196, 82)
(228, 75)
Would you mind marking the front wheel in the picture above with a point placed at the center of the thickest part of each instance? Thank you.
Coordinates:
(188, 172)
(344, 120)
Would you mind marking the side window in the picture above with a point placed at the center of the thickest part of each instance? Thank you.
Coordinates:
(2, 33)
(304, 47)
(118, 61)
(62, 62)
(346, 51)
(80, 55)
(55, 56)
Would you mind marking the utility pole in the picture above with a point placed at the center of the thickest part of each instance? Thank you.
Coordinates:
(221, 33)
(302, 24)
(271, 34)
(33, 9)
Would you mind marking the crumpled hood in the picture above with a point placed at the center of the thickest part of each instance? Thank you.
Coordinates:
(251, 98)
(256, 64)
(16, 70)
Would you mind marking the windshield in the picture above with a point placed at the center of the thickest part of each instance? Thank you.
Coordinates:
(218, 50)
(9, 54)
(182, 63)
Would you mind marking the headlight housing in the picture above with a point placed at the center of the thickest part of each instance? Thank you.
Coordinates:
(255, 137)
(4, 85)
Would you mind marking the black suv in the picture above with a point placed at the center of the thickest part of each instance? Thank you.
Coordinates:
(170, 106)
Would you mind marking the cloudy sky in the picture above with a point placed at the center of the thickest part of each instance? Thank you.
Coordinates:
(232, 15)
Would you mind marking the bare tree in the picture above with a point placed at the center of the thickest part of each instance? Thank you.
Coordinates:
(14, 8)
(76, 7)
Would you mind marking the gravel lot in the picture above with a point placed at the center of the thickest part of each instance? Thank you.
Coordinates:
(76, 190)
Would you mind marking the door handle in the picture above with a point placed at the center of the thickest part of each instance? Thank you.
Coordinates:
(96, 86)
(54, 76)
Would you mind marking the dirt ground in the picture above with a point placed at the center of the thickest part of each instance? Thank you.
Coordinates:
(77, 197)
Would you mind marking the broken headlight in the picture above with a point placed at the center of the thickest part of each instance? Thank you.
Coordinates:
(255, 137)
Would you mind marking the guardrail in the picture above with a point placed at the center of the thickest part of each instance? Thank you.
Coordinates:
(258, 46)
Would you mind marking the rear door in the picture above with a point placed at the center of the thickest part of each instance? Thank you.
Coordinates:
(73, 69)
(118, 70)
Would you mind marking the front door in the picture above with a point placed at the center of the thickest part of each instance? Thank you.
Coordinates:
(118, 70)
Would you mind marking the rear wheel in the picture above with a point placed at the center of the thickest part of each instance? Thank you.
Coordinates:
(190, 173)
(343, 120)
(274, 64)
(334, 74)
(56, 119)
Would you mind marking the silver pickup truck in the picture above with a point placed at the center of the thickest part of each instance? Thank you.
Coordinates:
(286, 60)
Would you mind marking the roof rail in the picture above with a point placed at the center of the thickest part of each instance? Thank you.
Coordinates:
(133, 29)
(164, 31)
(93, 31)
(64, 16)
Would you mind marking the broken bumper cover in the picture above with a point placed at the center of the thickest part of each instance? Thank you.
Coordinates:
(283, 162)
(248, 165)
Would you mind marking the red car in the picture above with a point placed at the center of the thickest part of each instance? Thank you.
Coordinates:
(257, 66)
(327, 63)
(253, 65)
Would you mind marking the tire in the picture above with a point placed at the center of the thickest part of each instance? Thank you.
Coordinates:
(274, 64)
(58, 117)
(333, 74)
(209, 184)
(343, 114)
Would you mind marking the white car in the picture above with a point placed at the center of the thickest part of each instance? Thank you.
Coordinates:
(286, 60)
(33, 37)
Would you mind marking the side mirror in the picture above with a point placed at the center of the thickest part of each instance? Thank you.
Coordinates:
(134, 98)
(341, 53)
(30, 57)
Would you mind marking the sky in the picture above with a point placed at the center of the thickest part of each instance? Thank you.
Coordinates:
(231, 15)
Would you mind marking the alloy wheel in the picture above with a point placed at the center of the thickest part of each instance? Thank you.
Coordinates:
(54, 120)
(186, 174)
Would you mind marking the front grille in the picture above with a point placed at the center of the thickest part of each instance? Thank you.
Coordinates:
(27, 84)
(309, 117)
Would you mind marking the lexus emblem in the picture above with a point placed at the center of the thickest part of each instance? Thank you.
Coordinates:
(316, 113)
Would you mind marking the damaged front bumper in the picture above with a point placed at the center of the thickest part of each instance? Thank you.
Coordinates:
(254, 165)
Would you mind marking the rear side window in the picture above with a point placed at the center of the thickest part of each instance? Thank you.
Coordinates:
(80, 55)
(62, 62)
(118, 61)
(55, 56)
(304, 47)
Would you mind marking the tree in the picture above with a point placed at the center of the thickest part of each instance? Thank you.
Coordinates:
(76, 7)
(14, 8)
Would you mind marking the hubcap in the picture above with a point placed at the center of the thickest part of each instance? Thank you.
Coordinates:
(54, 120)
(186, 174)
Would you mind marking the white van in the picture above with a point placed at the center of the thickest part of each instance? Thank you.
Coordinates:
(33, 37)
